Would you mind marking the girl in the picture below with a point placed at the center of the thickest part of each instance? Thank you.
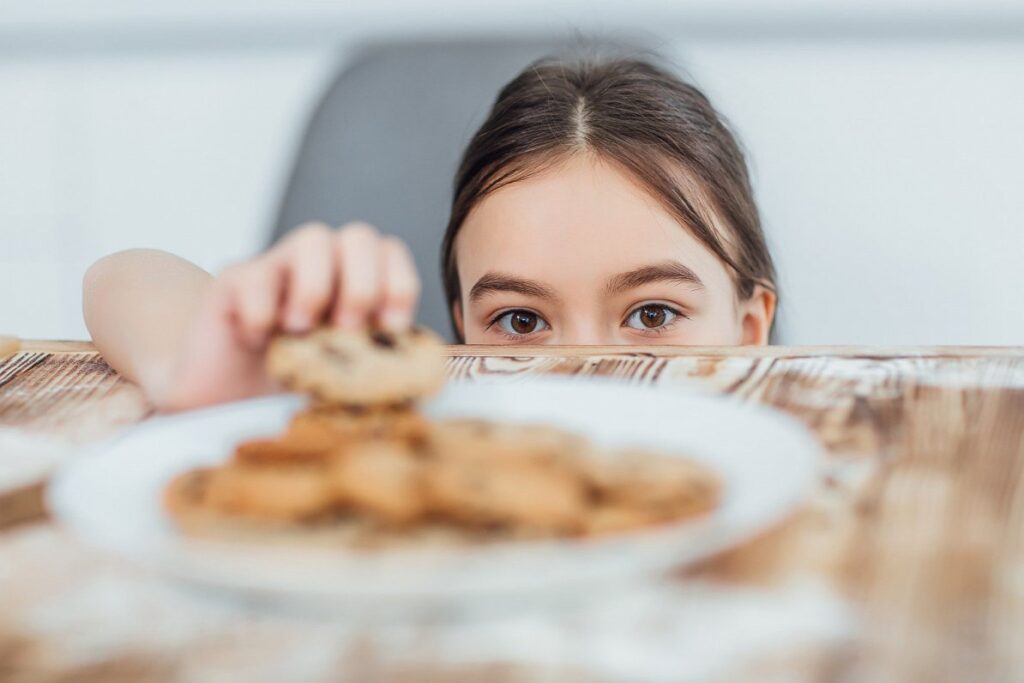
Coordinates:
(599, 203)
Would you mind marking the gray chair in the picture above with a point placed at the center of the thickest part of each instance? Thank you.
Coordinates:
(384, 143)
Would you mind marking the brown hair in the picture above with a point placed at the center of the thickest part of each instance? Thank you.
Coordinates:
(663, 131)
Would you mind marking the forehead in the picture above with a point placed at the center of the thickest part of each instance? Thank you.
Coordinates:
(576, 223)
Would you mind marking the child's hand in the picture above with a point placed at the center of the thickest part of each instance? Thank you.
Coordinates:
(348, 278)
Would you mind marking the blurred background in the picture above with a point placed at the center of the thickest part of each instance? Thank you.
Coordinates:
(885, 139)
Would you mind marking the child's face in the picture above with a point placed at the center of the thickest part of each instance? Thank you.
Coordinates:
(580, 254)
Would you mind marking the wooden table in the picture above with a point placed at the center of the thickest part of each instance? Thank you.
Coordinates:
(906, 564)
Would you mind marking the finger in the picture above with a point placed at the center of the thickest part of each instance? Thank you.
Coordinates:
(253, 292)
(400, 285)
(357, 248)
(307, 262)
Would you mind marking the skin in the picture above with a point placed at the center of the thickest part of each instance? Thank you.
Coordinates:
(189, 339)
(581, 254)
(578, 251)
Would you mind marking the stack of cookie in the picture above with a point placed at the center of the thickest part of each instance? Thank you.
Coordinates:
(361, 457)
(364, 389)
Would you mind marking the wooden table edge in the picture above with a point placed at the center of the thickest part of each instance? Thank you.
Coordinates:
(78, 346)
(741, 351)
(56, 346)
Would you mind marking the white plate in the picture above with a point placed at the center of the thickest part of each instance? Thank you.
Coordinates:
(112, 498)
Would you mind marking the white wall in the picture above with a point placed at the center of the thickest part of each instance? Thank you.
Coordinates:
(887, 169)
(174, 151)
(890, 179)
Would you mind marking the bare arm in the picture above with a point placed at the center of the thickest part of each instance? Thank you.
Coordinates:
(138, 305)
(191, 340)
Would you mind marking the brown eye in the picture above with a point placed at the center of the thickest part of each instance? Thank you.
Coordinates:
(651, 317)
(521, 322)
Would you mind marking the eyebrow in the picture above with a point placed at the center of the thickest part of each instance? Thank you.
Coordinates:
(666, 271)
(502, 282)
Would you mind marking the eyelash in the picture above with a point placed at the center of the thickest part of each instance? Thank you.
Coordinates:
(677, 315)
(501, 314)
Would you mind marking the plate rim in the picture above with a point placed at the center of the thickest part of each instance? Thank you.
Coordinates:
(157, 556)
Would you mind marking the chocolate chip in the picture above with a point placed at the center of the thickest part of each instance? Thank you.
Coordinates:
(420, 446)
(383, 340)
(355, 409)
(492, 526)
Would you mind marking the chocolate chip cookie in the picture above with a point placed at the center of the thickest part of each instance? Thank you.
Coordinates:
(359, 368)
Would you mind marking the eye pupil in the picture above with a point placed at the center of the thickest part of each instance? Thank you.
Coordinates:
(523, 322)
(652, 316)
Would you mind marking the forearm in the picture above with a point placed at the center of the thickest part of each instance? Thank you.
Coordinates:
(137, 306)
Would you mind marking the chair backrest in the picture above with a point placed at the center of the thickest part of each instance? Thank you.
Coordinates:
(385, 141)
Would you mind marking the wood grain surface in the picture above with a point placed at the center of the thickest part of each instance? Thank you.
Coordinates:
(918, 520)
